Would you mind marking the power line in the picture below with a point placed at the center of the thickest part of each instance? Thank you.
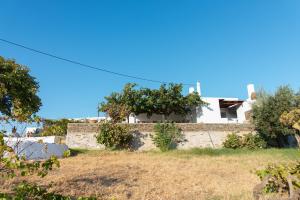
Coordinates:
(84, 65)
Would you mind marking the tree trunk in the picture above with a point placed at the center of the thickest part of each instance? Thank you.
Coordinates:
(297, 137)
(163, 118)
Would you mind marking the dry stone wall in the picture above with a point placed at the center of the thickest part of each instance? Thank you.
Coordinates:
(82, 135)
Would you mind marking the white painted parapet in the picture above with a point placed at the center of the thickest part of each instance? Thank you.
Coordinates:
(198, 88)
(250, 90)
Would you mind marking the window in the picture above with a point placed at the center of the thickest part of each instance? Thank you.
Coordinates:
(223, 114)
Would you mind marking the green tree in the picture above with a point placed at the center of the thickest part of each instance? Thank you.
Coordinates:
(267, 111)
(167, 136)
(291, 118)
(164, 101)
(120, 105)
(19, 102)
(55, 127)
(18, 91)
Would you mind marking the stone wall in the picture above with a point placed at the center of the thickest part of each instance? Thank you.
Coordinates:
(82, 135)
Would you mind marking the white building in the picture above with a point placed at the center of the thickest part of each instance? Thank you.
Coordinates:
(218, 110)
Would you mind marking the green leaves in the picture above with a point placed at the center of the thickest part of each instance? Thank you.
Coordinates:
(233, 141)
(18, 91)
(248, 141)
(167, 136)
(55, 127)
(25, 190)
(163, 101)
(267, 111)
(114, 136)
(279, 174)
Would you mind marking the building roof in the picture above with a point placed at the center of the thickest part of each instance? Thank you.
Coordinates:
(230, 103)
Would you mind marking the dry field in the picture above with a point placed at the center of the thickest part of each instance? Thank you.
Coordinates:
(196, 174)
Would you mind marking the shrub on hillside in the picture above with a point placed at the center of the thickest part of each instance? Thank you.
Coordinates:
(253, 141)
(27, 190)
(248, 141)
(166, 136)
(114, 136)
(55, 127)
(279, 178)
(233, 141)
(267, 111)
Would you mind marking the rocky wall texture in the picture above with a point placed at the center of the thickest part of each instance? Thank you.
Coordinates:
(82, 135)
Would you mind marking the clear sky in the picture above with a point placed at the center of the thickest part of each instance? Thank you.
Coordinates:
(224, 44)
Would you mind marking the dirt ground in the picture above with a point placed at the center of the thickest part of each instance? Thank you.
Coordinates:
(155, 176)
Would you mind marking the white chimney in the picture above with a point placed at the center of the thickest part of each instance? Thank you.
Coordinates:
(251, 91)
(198, 88)
(191, 90)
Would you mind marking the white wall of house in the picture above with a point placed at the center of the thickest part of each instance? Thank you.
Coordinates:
(143, 118)
(211, 113)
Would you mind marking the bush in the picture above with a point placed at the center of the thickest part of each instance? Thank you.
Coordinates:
(167, 136)
(55, 127)
(253, 141)
(67, 153)
(233, 141)
(114, 136)
(267, 111)
(276, 177)
(248, 141)
(26, 190)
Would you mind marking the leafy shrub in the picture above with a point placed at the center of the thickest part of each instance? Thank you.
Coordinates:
(233, 141)
(67, 153)
(114, 136)
(278, 176)
(249, 141)
(26, 190)
(55, 127)
(12, 166)
(166, 136)
(253, 141)
(267, 111)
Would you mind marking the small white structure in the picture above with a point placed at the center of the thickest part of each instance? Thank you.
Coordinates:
(218, 110)
(36, 148)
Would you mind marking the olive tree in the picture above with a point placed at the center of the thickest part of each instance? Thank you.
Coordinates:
(267, 112)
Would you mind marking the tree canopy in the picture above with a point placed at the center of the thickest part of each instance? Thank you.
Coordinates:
(164, 101)
(267, 112)
(18, 91)
(291, 118)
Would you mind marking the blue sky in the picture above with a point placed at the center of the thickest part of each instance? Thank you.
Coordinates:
(224, 44)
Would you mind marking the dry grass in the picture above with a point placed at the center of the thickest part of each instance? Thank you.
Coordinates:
(175, 175)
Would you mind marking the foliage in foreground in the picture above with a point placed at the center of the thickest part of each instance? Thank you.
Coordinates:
(18, 91)
(25, 191)
(19, 103)
(12, 166)
(114, 136)
(249, 141)
(280, 179)
(267, 112)
(167, 136)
